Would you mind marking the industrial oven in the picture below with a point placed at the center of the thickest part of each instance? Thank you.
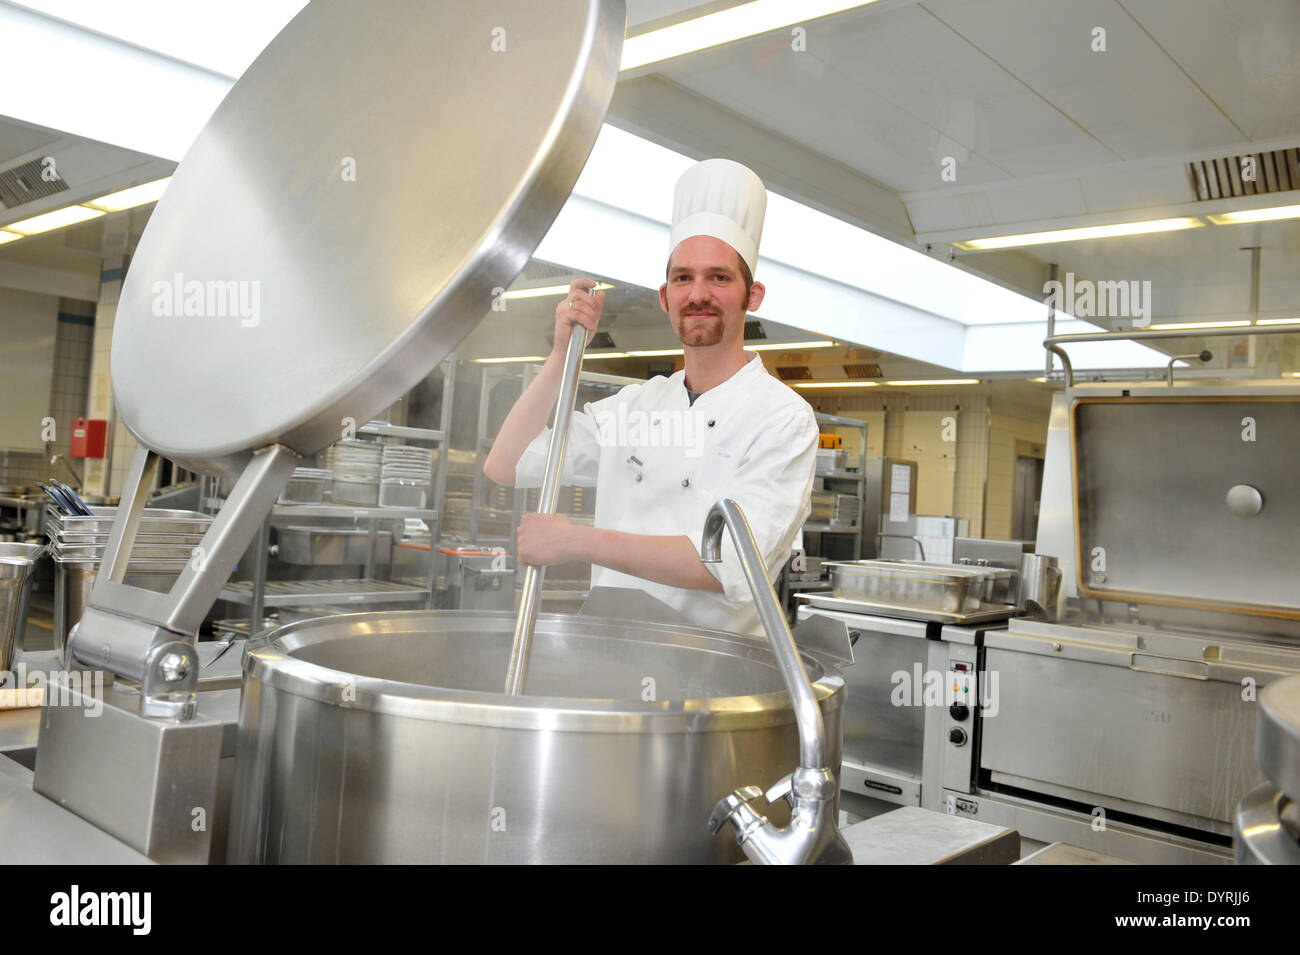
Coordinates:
(917, 628)
(1129, 725)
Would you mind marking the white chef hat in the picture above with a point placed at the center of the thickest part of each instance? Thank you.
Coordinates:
(723, 199)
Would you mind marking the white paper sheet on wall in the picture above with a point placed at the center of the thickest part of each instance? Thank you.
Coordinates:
(898, 504)
(900, 481)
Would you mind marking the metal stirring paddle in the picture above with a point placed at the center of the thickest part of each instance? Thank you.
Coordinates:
(534, 576)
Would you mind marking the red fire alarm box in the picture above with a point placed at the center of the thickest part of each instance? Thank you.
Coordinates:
(88, 438)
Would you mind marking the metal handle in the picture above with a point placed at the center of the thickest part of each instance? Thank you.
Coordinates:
(1054, 343)
(1204, 355)
(905, 537)
(550, 493)
(731, 804)
(783, 788)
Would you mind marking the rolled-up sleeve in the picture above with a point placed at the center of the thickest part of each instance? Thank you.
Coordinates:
(773, 486)
(581, 453)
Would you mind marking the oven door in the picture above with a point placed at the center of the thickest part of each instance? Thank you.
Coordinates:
(884, 719)
(1156, 726)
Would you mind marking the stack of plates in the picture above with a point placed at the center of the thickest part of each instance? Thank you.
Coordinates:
(356, 466)
(407, 477)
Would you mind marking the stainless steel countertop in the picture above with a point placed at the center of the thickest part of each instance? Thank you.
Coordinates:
(1062, 853)
(19, 727)
(915, 836)
(36, 831)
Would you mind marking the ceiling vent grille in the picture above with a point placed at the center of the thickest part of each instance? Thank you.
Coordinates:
(1231, 176)
(794, 373)
(754, 331)
(862, 371)
(24, 184)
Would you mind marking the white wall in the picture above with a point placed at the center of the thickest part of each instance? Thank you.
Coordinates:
(28, 325)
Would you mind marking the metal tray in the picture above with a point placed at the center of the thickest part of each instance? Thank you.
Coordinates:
(922, 585)
(154, 521)
(66, 539)
(95, 552)
(989, 614)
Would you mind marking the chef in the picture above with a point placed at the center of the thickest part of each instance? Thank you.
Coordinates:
(662, 453)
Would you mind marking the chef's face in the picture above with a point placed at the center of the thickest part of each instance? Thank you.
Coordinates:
(705, 296)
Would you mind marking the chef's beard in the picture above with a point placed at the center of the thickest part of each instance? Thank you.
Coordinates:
(700, 333)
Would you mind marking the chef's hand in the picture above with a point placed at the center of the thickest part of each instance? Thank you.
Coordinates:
(579, 307)
(546, 539)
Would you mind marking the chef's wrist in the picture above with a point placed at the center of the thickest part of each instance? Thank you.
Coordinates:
(582, 542)
(599, 545)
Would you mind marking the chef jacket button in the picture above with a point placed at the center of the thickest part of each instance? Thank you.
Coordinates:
(638, 478)
(712, 422)
(686, 482)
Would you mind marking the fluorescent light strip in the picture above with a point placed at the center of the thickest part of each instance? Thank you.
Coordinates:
(91, 209)
(504, 361)
(627, 186)
(767, 346)
(1271, 214)
(223, 36)
(837, 384)
(130, 198)
(1278, 321)
(70, 215)
(604, 354)
(8, 237)
(726, 26)
(656, 353)
(790, 346)
(1177, 325)
(1075, 235)
(935, 381)
(549, 290)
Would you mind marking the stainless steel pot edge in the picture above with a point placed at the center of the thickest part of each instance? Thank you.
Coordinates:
(267, 659)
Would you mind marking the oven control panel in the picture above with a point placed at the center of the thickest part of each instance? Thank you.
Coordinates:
(958, 733)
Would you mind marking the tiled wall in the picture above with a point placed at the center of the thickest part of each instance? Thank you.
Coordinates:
(1018, 414)
(972, 407)
(109, 476)
(1005, 430)
(28, 321)
(71, 382)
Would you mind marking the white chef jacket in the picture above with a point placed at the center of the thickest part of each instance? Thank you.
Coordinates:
(660, 464)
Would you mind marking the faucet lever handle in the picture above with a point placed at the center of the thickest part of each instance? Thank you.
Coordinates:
(731, 804)
(783, 788)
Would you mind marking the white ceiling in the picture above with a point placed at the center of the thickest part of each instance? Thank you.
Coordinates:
(1044, 130)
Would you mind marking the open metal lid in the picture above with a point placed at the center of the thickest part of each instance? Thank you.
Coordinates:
(1185, 499)
(350, 211)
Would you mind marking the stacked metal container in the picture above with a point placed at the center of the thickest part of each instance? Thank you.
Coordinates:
(165, 544)
(356, 466)
(406, 477)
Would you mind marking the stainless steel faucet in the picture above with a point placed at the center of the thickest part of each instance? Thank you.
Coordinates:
(812, 836)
